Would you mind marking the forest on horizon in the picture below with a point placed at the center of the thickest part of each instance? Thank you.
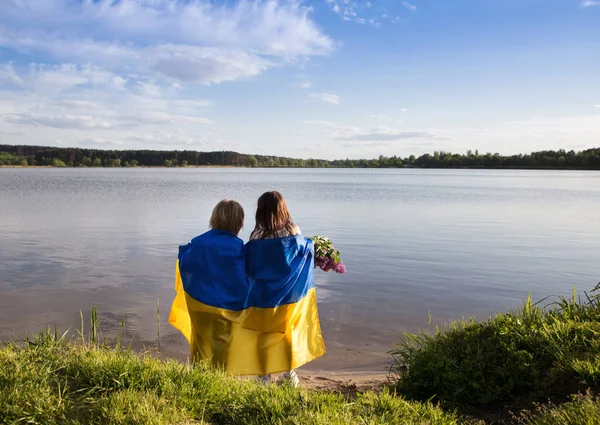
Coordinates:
(25, 155)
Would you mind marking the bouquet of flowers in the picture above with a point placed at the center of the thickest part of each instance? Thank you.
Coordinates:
(327, 258)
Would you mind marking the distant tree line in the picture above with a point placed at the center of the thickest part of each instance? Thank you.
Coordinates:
(76, 157)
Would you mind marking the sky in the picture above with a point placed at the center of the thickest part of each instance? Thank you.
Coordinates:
(310, 79)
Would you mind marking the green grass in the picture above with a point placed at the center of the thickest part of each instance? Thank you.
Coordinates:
(49, 380)
(526, 355)
(583, 410)
(481, 369)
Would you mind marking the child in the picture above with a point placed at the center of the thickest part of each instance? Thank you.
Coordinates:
(212, 287)
(273, 220)
(212, 266)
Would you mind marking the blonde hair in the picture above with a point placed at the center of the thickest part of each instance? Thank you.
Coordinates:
(227, 215)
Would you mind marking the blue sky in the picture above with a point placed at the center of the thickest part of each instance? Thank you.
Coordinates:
(326, 79)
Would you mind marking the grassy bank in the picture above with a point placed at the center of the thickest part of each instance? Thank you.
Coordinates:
(48, 381)
(528, 355)
(504, 370)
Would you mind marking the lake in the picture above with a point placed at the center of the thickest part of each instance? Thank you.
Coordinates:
(451, 243)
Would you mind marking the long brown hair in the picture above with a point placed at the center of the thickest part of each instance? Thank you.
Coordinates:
(272, 216)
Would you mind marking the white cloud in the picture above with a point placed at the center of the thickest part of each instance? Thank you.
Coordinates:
(247, 25)
(364, 145)
(506, 137)
(96, 142)
(205, 65)
(409, 6)
(68, 121)
(197, 41)
(403, 110)
(536, 133)
(597, 106)
(74, 103)
(59, 102)
(385, 134)
(306, 84)
(59, 77)
(168, 138)
(342, 7)
(149, 89)
(8, 76)
(333, 130)
(127, 71)
(326, 97)
(64, 76)
(589, 3)
(348, 11)
(188, 104)
(321, 123)
(185, 63)
(378, 134)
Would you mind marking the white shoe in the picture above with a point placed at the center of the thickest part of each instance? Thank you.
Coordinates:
(291, 377)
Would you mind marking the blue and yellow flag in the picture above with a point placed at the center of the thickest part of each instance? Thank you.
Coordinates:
(251, 310)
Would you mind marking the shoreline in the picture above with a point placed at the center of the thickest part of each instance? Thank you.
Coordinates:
(306, 168)
(343, 381)
(137, 166)
(585, 159)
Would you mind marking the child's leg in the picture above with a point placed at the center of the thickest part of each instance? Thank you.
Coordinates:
(292, 378)
(264, 379)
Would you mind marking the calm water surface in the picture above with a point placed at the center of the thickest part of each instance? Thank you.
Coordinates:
(452, 243)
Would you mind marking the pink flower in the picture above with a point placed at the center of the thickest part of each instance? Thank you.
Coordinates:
(328, 264)
(339, 268)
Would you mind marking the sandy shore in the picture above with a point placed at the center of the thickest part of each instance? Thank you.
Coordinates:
(343, 381)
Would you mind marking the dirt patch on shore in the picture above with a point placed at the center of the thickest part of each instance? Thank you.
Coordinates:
(346, 383)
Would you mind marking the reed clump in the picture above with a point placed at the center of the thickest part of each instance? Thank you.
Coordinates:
(541, 351)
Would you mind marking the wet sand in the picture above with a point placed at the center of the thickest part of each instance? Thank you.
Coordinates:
(344, 382)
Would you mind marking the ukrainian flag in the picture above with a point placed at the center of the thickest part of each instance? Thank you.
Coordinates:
(250, 310)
